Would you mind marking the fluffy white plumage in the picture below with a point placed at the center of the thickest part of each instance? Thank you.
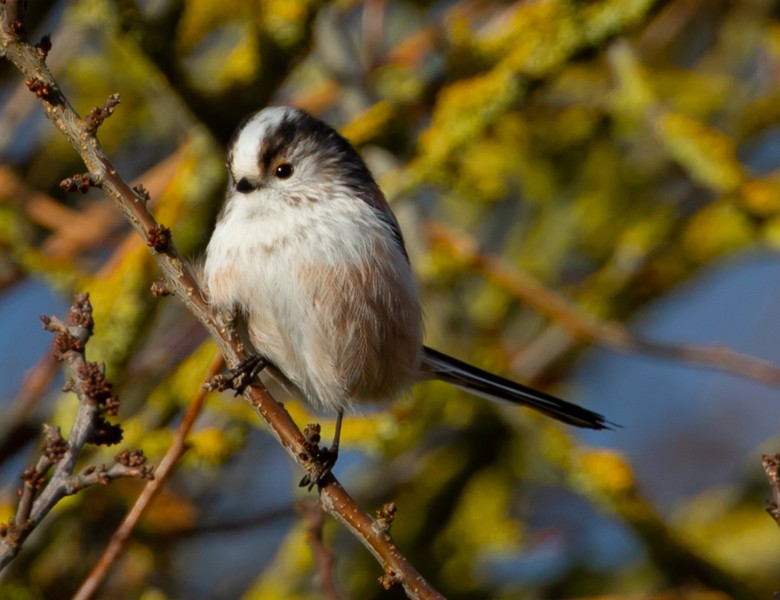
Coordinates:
(309, 252)
(319, 275)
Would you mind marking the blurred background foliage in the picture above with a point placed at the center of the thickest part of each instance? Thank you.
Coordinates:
(617, 151)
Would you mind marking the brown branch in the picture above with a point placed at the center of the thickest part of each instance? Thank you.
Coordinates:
(16, 428)
(121, 536)
(73, 230)
(38, 496)
(771, 464)
(97, 115)
(182, 282)
(585, 327)
(314, 521)
(13, 16)
(81, 182)
(241, 525)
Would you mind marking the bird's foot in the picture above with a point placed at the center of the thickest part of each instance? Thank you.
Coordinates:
(321, 460)
(319, 468)
(238, 379)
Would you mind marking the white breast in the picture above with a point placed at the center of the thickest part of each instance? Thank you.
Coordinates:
(322, 286)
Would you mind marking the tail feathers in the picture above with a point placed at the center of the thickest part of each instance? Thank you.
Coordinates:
(481, 383)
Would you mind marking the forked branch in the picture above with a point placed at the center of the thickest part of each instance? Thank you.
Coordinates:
(180, 280)
(39, 492)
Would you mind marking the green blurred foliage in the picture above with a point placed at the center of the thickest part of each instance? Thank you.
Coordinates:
(597, 144)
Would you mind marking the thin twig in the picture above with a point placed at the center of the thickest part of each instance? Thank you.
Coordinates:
(121, 536)
(75, 230)
(14, 16)
(17, 425)
(314, 521)
(771, 464)
(237, 525)
(586, 327)
(182, 282)
(38, 495)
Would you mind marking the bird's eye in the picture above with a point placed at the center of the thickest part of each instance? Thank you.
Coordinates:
(245, 186)
(283, 170)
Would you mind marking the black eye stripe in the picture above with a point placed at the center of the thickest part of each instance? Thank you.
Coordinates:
(277, 142)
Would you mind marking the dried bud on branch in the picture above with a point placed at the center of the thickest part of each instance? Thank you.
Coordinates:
(104, 433)
(80, 313)
(159, 238)
(43, 90)
(771, 464)
(131, 458)
(54, 446)
(99, 114)
(97, 388)
(385, 517)
(44, 46)
(143, 194)
(79, 183)
(389, 580)
(160, 289)
(34, 479)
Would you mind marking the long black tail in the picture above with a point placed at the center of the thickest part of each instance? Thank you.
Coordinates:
(476, 381)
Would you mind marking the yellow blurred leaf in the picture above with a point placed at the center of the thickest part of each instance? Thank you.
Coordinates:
(708, 155)
(717, 229)
(170, 512)
(365, 126)
(607, 469)
(760, 196)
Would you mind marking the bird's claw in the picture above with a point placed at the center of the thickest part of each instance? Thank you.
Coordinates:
(240, 377)
(319, 468)
(321, 460)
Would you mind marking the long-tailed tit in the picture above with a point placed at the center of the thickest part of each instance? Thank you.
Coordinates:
(308, 251)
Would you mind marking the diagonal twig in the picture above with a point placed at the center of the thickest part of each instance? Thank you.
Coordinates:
(121, 536)
(314, 521)
(771, 464)
(39, 495)
(16, 428)
(586, 327)
(181, 281)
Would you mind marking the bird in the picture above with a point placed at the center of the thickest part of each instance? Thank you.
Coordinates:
(309, 255)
